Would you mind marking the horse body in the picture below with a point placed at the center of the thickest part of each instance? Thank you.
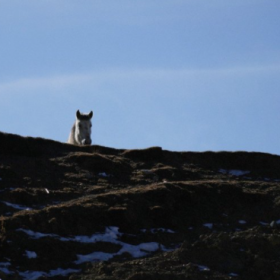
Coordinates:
(81, 130)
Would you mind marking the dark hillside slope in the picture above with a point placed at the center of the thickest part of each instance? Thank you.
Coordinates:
(69, 212)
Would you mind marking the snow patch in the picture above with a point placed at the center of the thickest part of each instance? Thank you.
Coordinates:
(203, 268)
(234, 172)
(135, 251)
(110, 235)
(140, 250)
(93, 257)
(30, 254)
(264, 223)
(33, 275)
(62, 272)
(37, 235)
(16, 206)
(208, 225)
(4, 267)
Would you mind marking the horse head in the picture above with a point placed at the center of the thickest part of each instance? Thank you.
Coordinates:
(83, 128)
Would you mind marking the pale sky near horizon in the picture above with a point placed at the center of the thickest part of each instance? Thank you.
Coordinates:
(181, 74)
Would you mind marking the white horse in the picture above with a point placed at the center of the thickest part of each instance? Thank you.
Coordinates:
(81, 130)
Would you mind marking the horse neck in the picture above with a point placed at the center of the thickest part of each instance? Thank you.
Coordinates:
(72, 137)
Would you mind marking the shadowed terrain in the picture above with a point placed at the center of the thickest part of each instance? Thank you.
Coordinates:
(91, 212)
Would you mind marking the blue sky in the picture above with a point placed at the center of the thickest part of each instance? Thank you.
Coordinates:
(181, 74)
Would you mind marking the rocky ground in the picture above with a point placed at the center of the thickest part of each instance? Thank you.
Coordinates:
(92, 212)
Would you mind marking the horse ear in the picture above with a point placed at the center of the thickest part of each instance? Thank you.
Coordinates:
(90, 114)
(78, 114)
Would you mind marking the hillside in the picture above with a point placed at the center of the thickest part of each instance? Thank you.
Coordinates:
(93, 212)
